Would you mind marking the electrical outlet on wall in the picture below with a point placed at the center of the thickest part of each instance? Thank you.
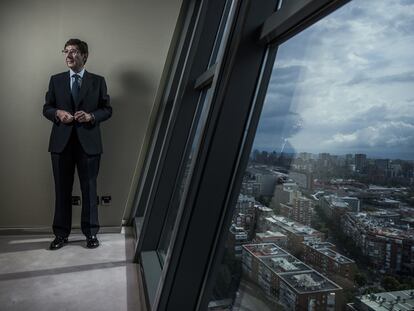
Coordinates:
(106, 200)
(76, 200)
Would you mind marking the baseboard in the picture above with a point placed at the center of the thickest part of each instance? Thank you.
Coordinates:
(49, 231)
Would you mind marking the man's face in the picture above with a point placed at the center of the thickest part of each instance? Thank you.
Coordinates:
(74, 59)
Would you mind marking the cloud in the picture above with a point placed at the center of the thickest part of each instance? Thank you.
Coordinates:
(288, 124)
(405, 77)
(407, 3)
(381, 135)
(345, 82)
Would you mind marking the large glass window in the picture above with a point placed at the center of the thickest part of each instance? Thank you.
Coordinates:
(325, 209)
(186, 170)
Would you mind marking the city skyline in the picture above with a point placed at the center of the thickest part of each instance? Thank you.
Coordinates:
(316, 154)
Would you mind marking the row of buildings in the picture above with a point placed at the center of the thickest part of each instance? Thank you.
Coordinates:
(389, 249)
(268, 260)
(254, 222)
(385, 301)
(324, 256)
(385, 236)
(383, 232)
(287, 280)
(357, 163)
(269, 246)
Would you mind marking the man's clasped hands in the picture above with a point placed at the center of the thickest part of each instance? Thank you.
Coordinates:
(80, 116)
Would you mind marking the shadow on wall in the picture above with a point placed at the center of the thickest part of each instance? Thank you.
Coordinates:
(131, 114)
(131, 110)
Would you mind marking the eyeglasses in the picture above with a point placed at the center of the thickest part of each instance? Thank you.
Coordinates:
(73, 52)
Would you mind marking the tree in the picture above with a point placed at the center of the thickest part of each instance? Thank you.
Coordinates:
(265, 200)
(360, 279)
(390, 283)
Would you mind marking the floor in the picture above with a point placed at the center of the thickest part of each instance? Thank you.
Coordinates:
(73, 278)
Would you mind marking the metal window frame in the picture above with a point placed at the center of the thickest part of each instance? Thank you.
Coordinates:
(186, 167)
(295, 16)
(209, 79)
(192, 255)
(175, 62)
(157, 186)
(172, 143)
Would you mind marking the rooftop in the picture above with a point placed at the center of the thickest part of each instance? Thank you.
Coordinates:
(336, 201)
(325, 248)
(340, 204)
(264, 249)
(292, 226)
(294, 272)
(398, 300)
(285, 263)
(336, 256)
(246, 198)
(237, 230)
(380, 226)
(319, 245)
(270, 234)
(308, 282)
(263, 208)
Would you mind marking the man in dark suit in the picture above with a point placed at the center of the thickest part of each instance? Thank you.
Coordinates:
(76, 102)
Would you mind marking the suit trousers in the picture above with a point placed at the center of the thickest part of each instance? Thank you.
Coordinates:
(63, 171)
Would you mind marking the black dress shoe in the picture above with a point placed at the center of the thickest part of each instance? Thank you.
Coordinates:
(58, 242)
(92, 241)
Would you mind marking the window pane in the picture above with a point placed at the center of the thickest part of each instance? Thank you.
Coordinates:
(186, 170)
(192, 144)
(326, 208)
(220, 32)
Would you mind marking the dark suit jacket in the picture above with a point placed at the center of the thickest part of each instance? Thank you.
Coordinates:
(93, 98)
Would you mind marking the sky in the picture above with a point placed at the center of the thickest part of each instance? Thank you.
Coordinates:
(345, 85)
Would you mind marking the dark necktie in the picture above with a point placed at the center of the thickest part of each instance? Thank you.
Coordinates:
(75, 88)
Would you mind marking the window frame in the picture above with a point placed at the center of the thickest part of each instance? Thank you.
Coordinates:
(172, 140)
(223, 155)
(197, 39)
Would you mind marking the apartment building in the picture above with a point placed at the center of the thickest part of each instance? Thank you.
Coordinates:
(286, 279)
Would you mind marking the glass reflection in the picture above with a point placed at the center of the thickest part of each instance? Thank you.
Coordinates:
(193, 143)
(326, 208)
